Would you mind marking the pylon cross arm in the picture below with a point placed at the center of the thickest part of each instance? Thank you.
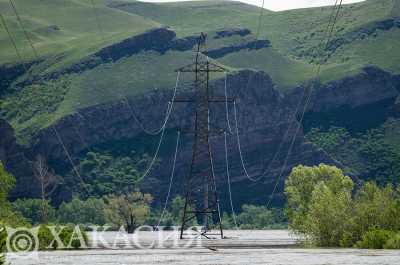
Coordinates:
(201, 67)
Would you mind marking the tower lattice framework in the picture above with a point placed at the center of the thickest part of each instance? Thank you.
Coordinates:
(201, 196)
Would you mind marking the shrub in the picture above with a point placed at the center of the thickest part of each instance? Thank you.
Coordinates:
(68, 236)
(82, 212)
(32, 210)
(317, 196)
(375, 239)
(321, 208)
(393, 242)
(260, 217)
(2, 245)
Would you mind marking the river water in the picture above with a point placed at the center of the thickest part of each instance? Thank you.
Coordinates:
(242, 247)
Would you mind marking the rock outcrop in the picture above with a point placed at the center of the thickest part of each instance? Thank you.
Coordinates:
(15, 159)
(271, 137)
(266, 125)
(159, 40)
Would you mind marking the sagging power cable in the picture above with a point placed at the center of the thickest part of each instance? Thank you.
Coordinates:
(329, 31)
(171, 179)
(23, 29)
(122, 96)
(12, 40)
(58, 136)
(229, 183)
(305, 106)
(226, 104)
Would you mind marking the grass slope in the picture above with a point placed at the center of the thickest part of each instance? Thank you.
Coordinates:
(78, 31)
(65, 31)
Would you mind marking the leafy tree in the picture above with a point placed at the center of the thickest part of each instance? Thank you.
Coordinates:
(7, 182)
(299, 189)
(7, 216)
(330, 207)
(32, 210)
(177, 207)
(227, 221)
(258, 217)
(105, 173)
(330, 140)
(393, 242)
(368, 154)
(375, 239)
(374, 208)
(90, 211)
(68, 236)
(3, 237)
(172, 216)
(320, 206)
(131, 209)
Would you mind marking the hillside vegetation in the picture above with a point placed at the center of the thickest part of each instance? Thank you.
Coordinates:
(66, 32)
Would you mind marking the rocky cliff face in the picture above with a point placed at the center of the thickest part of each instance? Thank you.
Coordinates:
(159, 40)
(15, 159)
(268, 127)
(361, 101)
(266, 124)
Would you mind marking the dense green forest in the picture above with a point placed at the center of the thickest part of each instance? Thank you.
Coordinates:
(373, 154)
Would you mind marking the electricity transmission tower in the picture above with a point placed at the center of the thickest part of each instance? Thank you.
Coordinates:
(200, 184)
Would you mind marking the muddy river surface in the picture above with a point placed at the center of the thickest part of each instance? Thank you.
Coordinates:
(241, 247)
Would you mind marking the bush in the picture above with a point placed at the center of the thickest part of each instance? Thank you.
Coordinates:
(3, 237)
(321, 208)
(315, 195)
(375, 239)
(260, 217)
(68, 235)
(34, 209)
(82, 212)
(45, 238)
(393, 242)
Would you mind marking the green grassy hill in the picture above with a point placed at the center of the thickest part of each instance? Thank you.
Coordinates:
(64, 32)
(77, 32)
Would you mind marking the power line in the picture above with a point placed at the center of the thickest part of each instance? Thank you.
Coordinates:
(260, 20)
(229, 183)
(171, 179)
(147, 171)
(23, 28)
(239, 145)
(69, 157)
(226, 105)
(328, 35)
(215, 184)
(121, 95)
(304, 109)
(168, 112)
(3, 21)
(61, 142)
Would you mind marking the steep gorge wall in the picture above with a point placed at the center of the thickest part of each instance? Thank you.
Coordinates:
(266, 124)
(16, 161)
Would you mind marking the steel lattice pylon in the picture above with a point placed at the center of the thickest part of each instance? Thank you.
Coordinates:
(200, 184)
